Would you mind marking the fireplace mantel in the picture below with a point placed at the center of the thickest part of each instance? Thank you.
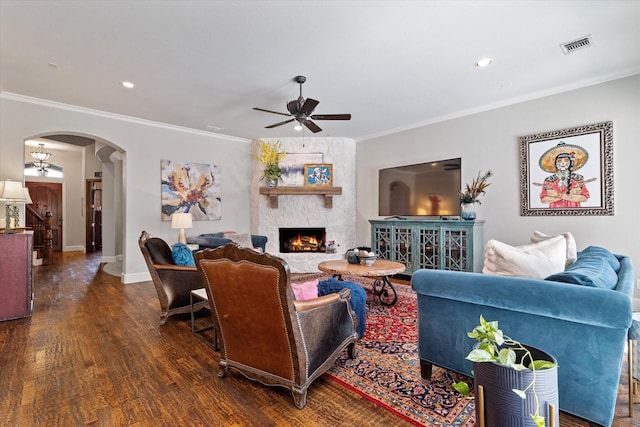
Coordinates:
(327, 192)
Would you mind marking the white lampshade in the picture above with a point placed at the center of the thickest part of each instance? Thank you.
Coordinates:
(27, 196)
(181, 221)
(12, 191)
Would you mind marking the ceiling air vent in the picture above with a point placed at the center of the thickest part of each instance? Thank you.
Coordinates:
(578, 44)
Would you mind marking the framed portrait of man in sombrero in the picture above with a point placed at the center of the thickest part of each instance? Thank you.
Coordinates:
(567, 172)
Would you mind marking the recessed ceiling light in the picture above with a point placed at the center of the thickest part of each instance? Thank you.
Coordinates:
(483, 62)
(52, 65)
(128, 85)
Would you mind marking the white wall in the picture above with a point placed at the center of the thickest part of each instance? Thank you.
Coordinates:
(489, 140)
(91, 162)
(144, 145)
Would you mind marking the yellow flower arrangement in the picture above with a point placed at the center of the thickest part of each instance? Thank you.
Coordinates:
(270, 156)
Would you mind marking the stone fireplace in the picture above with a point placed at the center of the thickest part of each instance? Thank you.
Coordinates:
(309, 211)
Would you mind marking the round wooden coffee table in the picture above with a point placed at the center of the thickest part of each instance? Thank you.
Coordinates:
(381, 268)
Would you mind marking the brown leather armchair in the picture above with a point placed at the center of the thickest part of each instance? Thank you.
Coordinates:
(266, 334)
(173, 283)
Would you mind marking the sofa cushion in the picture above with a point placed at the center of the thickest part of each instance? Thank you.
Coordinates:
(182, 255)
(243, 240)
(595, 267)
(572, 251)
(306, 290)
(218, 235)
(214, 240)
(534, 260)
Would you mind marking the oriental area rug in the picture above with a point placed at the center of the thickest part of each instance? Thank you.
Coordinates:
(386, 369)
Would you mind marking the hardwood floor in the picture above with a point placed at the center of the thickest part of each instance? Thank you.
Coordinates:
(94, 354)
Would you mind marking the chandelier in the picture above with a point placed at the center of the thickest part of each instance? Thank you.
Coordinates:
(41, 155)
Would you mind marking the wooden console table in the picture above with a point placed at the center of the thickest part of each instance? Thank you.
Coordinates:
(327, 192)
(434, 244)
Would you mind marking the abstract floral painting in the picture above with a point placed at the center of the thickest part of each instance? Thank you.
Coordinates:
(191, 187)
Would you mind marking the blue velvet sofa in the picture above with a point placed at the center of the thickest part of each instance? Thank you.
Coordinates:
(583, 327)
(213, 240)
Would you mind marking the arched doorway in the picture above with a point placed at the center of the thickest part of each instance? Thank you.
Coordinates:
(86, 159)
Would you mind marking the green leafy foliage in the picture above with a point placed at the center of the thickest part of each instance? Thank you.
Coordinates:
(494, 346)
(462, 388)
(270, 156)
(538, 420)
(272, 171)
(542, 364)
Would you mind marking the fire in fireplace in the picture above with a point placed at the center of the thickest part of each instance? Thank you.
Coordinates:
(302, 240)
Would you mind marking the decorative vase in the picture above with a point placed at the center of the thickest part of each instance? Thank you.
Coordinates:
(272, 182)
(468, 211)
(502, 406)
(352, 256)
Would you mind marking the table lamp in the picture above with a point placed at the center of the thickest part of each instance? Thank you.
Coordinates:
(181, 221)
(12, 193)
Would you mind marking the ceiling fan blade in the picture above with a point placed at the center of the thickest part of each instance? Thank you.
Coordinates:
(279, 124)
(293, 107)
(312, 126)
(331, 117)
(269, 111)
(308, 106)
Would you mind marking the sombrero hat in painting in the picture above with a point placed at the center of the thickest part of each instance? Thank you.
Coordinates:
(548, 159)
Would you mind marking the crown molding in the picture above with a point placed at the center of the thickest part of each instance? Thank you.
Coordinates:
(113, 116)
(512, 101)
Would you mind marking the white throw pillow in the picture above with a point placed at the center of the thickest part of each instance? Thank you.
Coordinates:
(572, 250)
(534, 260)
(243, 240)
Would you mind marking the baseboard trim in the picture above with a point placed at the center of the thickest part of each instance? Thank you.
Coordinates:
(135, 277)
(110, 258)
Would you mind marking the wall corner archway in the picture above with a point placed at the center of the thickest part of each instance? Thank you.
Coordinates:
(101, 162)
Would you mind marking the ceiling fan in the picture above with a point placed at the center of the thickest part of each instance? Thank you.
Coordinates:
(302, 110)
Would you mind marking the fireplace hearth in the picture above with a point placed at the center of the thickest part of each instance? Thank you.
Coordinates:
(302, 240)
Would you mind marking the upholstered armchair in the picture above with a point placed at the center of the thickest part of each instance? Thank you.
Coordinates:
(173, 283)
(265, 334)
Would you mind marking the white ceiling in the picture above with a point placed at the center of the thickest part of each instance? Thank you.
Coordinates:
(392, 64)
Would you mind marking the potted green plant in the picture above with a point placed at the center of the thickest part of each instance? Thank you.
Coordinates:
(270, 156)
(472, 193)
(495, 358)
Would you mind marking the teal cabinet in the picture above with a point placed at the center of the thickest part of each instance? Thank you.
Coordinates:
(432, 244)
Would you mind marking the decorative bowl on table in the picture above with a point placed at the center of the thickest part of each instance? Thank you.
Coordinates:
(367, 260)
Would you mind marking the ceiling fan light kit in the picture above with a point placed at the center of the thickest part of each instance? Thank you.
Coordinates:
(301, 109)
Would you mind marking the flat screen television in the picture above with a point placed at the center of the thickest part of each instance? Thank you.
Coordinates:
(424, 189)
